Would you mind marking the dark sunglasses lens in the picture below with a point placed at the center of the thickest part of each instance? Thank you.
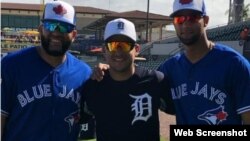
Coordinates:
(63, 28)
(66, 28)
(49, 26)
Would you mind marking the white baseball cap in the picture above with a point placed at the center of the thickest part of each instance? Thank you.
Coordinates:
(120, 26)
(59, 11)
(197, 5)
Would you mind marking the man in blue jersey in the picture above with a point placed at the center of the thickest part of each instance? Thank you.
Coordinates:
(210, 82)
(126, 102)
(40, 86)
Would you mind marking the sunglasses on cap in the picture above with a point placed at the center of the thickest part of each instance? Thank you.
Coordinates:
(190, 18)
(62, 27)
(125, 46)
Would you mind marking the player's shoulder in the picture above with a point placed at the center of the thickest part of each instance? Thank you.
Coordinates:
(77, 62)
(225, 49)
(228, 53)
(143, 72)
(92, 85)
(19, 55)
(173, 60)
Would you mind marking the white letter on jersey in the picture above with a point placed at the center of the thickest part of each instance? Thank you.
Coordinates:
(142, 107)
(84, 127)
(22, 100)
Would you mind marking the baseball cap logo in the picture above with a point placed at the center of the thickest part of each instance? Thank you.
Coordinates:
(60, 10)
(185, 1)
(120, 25)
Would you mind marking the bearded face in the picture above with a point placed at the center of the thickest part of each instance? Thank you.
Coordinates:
(55, 46)
(189, 41)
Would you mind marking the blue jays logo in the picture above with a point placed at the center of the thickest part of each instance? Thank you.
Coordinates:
(120, 25)
(60, 10)
(72, 119)
(214, 116)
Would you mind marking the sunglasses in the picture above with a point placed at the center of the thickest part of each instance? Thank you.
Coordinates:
(125, 46)
(62, 27)
(191, 18)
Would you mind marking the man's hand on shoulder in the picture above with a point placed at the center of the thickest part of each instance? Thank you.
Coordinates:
(98, 71)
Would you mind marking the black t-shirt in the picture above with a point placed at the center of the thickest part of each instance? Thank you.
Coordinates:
(126, 110)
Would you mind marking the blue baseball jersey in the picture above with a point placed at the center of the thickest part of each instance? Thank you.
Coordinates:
(214, 91)
(41, 102)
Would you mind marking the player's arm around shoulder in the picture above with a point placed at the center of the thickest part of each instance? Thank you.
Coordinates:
(166, 100)
(160, 76)
(99, 71)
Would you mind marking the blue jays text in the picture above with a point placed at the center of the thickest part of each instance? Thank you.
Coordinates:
(43, 91)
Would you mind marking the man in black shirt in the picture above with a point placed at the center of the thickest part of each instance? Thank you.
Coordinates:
(126, 102)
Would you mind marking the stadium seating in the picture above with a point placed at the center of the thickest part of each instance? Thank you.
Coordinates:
(152, 61)
(229, 32)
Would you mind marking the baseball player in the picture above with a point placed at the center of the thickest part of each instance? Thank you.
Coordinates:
(125, 103)
(210, 82)
(40, 88)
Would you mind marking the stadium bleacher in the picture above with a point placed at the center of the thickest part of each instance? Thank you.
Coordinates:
(229, 32)
(152, 61)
